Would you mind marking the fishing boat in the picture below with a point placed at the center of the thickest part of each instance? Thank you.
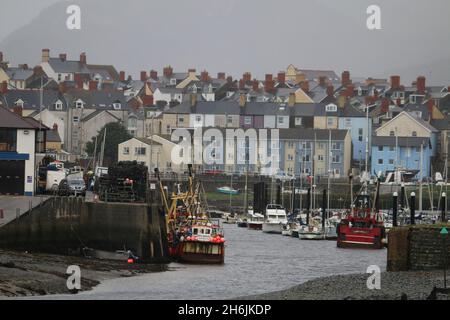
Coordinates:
(312, 231)
(242, 223)
(275, 219)
(229, 218)
(192, 235)
(227, 190)
(362, 226)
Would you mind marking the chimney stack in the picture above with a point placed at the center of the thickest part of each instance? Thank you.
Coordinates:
(247, 77)
(4, 87)
(269, 83)
(45, 55)
(1, 57)
(37, 69)
(229, 79)
(385, 105)
(18, 110)
(255, 85)
(154, 75)
(421, 85)
(345, 78)
(241, 84)
(330, 91)
(167, 71)
(92, 85)
(204, 76)
(242, 100)
(63, 56)
(122, 76)
(304, 85)
(291, 101)
(281, 78)
(395, 82)
(62, 87)
(23, 66)
(349, 91)
(143, 76)
(55, 127)
(221, 75)
(192, 72)
(322, 81)
(78, 78)
(83, 59)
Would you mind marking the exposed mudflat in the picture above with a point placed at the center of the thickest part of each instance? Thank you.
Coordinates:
(29, 274)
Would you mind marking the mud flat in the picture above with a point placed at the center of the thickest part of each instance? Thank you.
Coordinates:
(31, 274)
(409, 285)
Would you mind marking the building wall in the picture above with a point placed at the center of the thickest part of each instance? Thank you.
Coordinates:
(270, 121)
(359, 141)
(26, 145)
(168, 120)
(154, 156)
(405, 126)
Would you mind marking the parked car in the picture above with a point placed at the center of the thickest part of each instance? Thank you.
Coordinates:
(72, 187)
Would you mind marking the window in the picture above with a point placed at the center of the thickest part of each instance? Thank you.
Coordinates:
(280, 120)
(306, 158)
(8, 140)
(348, 122)
(290, 144)
(298, 121)
(173, 81)
(59, 76)
(290, 157)
(117, 105)
(392, 133)
(320, 157)
(248, 120)
(229, 120)
(380, 161)
(198, 119)
(180, 120)
(380, 148)
(331, 108)
(168, 128)
(75, 119)
(126, 150)
(58, 105)
(336, 146)
(391, 149)
(360, 134)
(19, 103)
(330, 122)
(321, 146)
(79, 104)
(391, 161)
(336, 158)
(139, 151)
(306, 145)
(414, 133)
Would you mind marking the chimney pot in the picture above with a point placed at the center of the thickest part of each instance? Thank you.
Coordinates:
(154, 74)
(83, 58)
(122, 76)
(345, 78)
(45, 55)
(420, 84)
(395, 82)
(143, 76)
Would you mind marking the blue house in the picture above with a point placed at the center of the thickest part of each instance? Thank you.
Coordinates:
(389, 153)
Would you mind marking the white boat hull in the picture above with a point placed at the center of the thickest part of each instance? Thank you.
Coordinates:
(272, 228)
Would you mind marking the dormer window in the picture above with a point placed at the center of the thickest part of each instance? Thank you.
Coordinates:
(173, 81)
(331, 108)
(414, 133)
(19, 103)
(58, 105)
(194, 89)
(360, 92)
(229, 93)
(117, 105)
(79, 104)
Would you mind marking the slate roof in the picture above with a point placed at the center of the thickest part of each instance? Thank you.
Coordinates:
(100, 99)
(53, 136)
(96, 113)
(402, 141)
(19, 73)
(31, 98)
(311, 134)
(9, 119)
(67, 66)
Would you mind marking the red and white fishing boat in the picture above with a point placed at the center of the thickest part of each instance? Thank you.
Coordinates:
(363, 226)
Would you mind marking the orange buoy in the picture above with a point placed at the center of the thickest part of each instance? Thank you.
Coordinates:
(130, 261)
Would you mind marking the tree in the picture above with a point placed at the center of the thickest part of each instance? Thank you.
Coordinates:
(116, 133)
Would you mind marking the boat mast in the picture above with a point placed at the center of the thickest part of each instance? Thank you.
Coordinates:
(329, 172)
(421, 178)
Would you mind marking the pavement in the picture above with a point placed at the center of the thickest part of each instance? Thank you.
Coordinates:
(14, 206)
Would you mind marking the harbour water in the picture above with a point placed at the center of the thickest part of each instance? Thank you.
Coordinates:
(254, 263)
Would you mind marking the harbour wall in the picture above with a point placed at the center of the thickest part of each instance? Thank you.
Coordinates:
(417, 248)
(64, 225)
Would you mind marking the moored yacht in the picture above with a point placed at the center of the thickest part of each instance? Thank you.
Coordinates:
(275, 220)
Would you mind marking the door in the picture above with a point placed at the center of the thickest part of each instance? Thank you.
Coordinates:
(12, 177)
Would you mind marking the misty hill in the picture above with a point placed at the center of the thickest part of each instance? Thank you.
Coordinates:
(254, 35)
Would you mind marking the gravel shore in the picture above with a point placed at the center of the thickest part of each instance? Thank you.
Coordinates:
(26, 274)
(394, 286)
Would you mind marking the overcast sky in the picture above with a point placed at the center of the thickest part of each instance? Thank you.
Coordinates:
(237, 35)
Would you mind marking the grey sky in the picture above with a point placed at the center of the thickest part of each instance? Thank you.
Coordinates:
(237, 35)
